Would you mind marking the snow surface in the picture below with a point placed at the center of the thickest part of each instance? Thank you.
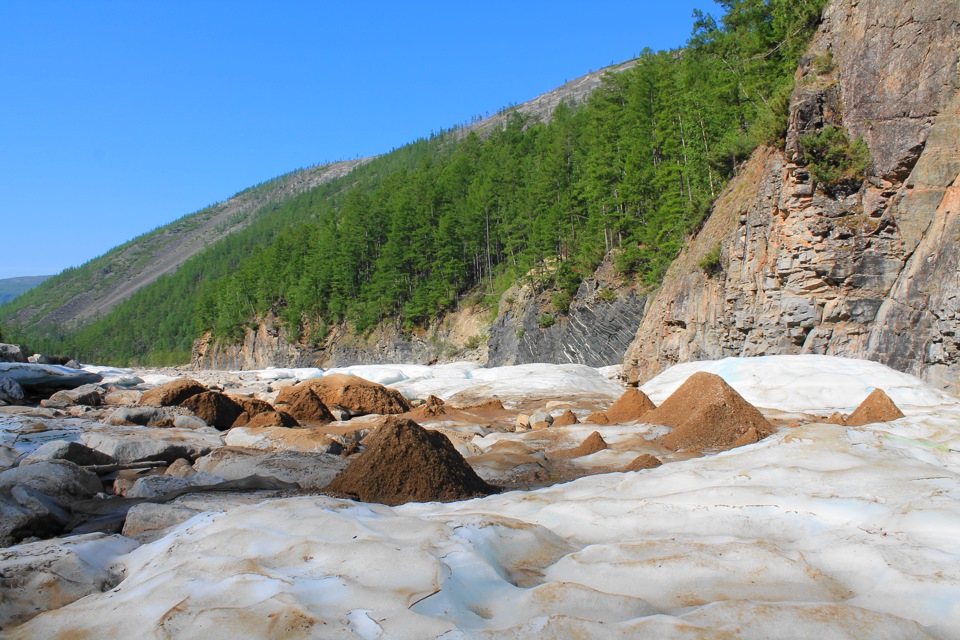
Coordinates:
(818, 531)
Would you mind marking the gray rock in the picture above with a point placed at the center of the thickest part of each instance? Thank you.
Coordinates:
(145, 444)
(46, 376)
(189, 422)
(143, 416)
(148, 522)
(121, 397)
(41, 576)
(309, 470)
(11, 353)
(89, 395)
(58, 479)
(541, 416)
(10, 390)
(156, 486)
(74, 452)
(594, 332)
(40, 358)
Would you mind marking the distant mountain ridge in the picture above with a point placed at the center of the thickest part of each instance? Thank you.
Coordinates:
(10, 288)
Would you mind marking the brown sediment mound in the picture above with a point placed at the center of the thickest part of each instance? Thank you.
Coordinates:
(632, 405)
(836, 418)
(272, 419)
(643, 461)
(251, 408)
(493, 404)
(304, 405)
(566, 419)
(592, 444)
(878, 407)
(597, 417)
(403, 462)
(432, 408)
(356, 394)
(214, 408)
(707, 413)
(172, 393)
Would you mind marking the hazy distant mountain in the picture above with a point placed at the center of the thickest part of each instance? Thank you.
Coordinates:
(10, 288)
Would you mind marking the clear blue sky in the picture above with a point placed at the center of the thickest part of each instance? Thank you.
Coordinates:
(117, 117)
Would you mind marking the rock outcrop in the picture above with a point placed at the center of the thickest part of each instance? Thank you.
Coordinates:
(595, 331)
(866, 274)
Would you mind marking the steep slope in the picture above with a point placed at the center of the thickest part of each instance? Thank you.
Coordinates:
(865, 271)
(80, 294)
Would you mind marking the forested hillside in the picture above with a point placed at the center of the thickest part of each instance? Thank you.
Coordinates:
(411, 233)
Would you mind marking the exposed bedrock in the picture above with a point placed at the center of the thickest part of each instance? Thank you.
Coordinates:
(867, 273)
(594, 332)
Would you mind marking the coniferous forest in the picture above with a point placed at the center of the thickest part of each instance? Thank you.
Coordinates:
(412, 233)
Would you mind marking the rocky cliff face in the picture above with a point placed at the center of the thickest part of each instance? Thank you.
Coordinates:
(458, 336)
(597, 329)
(868, 274)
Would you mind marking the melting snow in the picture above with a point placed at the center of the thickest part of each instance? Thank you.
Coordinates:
(819, 531)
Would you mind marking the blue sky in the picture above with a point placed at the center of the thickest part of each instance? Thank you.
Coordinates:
(118, 117)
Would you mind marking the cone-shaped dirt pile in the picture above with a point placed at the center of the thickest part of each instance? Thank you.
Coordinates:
(432, 408)
(878, 407)
(303, 404)
(643, 461)
(592, 444)
(707, 413)
(632, 405)
(566, 419)
(404, 462)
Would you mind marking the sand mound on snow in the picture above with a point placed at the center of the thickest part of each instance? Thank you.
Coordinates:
(632, 405)
(707, 413)
(432, 408)
(643, 461)
(354, 393)
(404, 462)
(592, 444)
(566, 419)
(878, 407)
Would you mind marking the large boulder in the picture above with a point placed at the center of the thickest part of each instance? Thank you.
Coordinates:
(59, 479)
(138, 444)
(356, 394)
(88, 395)
(309, 470)
(46, 575)
(148, 521)
(403, 462)
(74, 452)
(10, 391)
(155, 486)
(216, 409)
(11, 353)
(142, 416)
(708, 414)
(172, 393)
(282, 439)
(42, 378)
